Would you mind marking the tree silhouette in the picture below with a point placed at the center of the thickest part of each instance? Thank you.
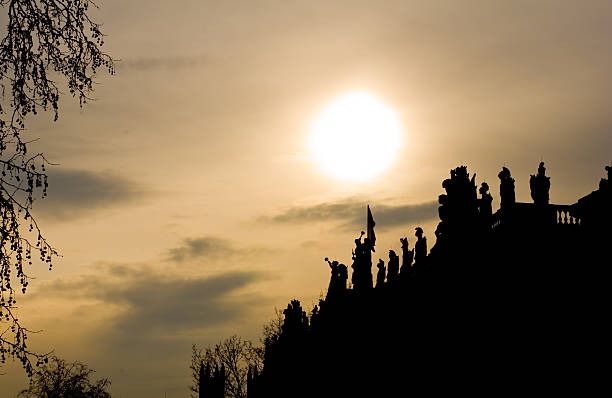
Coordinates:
(48, 44)
(59, 378)
(236, 355)
(272, 330)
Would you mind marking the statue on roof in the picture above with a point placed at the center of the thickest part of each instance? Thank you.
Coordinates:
(393, 274)
(334, 281)
(407, 257)
(380, 276)
(485, 208)
(362, 263)
(506, 188)
(540, 186)
(420, 248)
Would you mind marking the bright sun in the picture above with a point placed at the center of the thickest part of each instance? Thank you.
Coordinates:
(355, 137)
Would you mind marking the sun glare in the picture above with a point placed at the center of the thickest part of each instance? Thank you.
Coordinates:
(355, 137)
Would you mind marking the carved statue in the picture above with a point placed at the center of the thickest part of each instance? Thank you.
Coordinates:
(342, 277)
(407, 256)
(540, 186)
(362, 263)
(506, 188)
(393, 273)
(356, 278)
(296, 320)
(484, 205)
(334, 281)
(368, 248)
(420, 248)
(314, 317)
(380, 276)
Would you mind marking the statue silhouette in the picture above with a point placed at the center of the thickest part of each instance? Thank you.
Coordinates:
(368, 248)
(342, 277)
(407, 257)
(334, 281)
(362, 264)
(506, 188)
(380, 276)
(540, 186)
(393, 274)
(484, 203)
(420, 248)
(358, 259)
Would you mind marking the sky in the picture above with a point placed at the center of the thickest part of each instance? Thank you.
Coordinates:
(186, 204)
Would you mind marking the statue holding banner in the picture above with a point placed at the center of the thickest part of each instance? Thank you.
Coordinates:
(368, 248)
(356, 278)
(362, 257)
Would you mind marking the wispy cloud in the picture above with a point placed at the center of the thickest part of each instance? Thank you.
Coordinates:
(76, 193)
(139, 320)
(156, 303)
(201, 247)
(210, 247)
(391, 216)
(352, 213)
(155, 63)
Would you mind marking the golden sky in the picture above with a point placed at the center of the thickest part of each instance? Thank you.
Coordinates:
(187, 206)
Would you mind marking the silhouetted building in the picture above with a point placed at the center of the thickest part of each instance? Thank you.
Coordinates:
(505, 302)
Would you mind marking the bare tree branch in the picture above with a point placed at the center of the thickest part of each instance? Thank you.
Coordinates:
(236, 355)
(48, 44)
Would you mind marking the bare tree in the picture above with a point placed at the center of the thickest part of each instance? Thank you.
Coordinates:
(273, 329)
(48, 44)
(233, 353)
(60, 379)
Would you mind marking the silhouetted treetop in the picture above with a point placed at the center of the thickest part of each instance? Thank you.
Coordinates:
(225, 367)
(46, 39)
(61, 379)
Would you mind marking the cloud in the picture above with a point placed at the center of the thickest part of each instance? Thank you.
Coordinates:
(348, 209)
(134, 322)
(170, 63)
(209, 247)
(75, 193)
(352, 213)
(156, 305)
(392, 216)
(201, 247)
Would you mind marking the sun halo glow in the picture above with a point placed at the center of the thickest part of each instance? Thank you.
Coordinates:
(355, 137)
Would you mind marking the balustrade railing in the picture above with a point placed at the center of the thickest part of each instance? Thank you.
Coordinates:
(564, 216)
(560, 215)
